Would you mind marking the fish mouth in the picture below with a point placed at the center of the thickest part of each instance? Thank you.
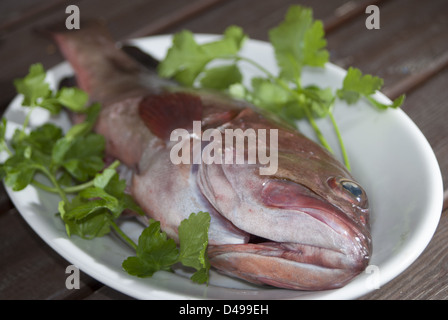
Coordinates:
(284, 265)
(288, 265)
(348, 224)
(300, 264)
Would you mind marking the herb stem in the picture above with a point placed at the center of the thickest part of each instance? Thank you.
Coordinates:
(257, 65)
(27, 118)
(122, 234)
(296, 94)
(319, 134)
(55, 183)
(5, 147)
(341, 143)
(73, 189)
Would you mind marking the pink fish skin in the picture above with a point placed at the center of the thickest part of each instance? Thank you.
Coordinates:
(304, 227)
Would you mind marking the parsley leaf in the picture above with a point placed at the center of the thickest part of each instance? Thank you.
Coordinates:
(154, 252)
(356, 85)
(187, 59)
(184, 60)
(94, 225)
(73, 98)
(19, 171)
(36, 92)
(193, 238)
(107, 192)
(33, 85)
(298, 41)
(221, 77)
(73, 163)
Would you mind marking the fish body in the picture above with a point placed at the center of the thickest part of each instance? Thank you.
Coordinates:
(304, 226)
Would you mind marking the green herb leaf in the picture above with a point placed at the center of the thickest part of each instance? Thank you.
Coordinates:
(33, 85)
(229, 45)
(39, 140)
(270, 95)
(36, 92)
(81, 157)
(94, 226)
(19, 172)
(157, 252)
(356, 85)
(193, 238)
(398, 102)
(92, 211)
(184, 60)
(298, 41)
(321, 100)
(73, 98)
(154, 252)
(221, 77)
(187, 59)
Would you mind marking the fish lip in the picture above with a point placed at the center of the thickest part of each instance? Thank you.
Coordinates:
(354, 256)
(293, 251)
(356, 238)
(343, 224)
(289, 195)
(286, 265)
(359, 244)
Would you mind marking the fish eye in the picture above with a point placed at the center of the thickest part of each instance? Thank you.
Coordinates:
(349, 190)
(353, 188)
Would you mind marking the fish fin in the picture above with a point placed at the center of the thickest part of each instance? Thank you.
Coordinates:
(141, 57)
(166, 112)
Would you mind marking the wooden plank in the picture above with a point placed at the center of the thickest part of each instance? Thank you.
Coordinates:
(173, 18)
(123, 18)
(427, 277)
(257, 17)
(13, 14)
(347, 12)
(427, 107)
(410, 38)
(107, 293)
(409, 52)
(29, 268)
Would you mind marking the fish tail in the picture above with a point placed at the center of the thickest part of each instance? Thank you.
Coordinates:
(102, 69)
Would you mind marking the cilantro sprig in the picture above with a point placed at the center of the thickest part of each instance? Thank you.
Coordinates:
(92, 195)
(298, 42)
(157, 252)
(357, 85)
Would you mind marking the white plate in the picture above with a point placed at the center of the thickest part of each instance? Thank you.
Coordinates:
(390, 157)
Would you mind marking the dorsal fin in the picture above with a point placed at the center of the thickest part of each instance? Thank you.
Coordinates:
(165, 112)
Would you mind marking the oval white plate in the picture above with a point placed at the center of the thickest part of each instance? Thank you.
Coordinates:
(389, 156)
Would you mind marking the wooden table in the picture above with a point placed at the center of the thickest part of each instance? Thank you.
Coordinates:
(410, 51)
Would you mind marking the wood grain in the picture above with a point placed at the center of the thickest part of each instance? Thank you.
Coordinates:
(427, 277)
(122, 17)
(411, 37)
(29, 268)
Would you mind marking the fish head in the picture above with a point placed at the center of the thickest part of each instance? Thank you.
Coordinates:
(308, 222)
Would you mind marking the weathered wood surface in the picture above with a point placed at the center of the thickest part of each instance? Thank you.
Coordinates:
(409, 52)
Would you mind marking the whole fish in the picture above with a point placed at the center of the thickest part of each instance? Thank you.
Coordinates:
(304, 226)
